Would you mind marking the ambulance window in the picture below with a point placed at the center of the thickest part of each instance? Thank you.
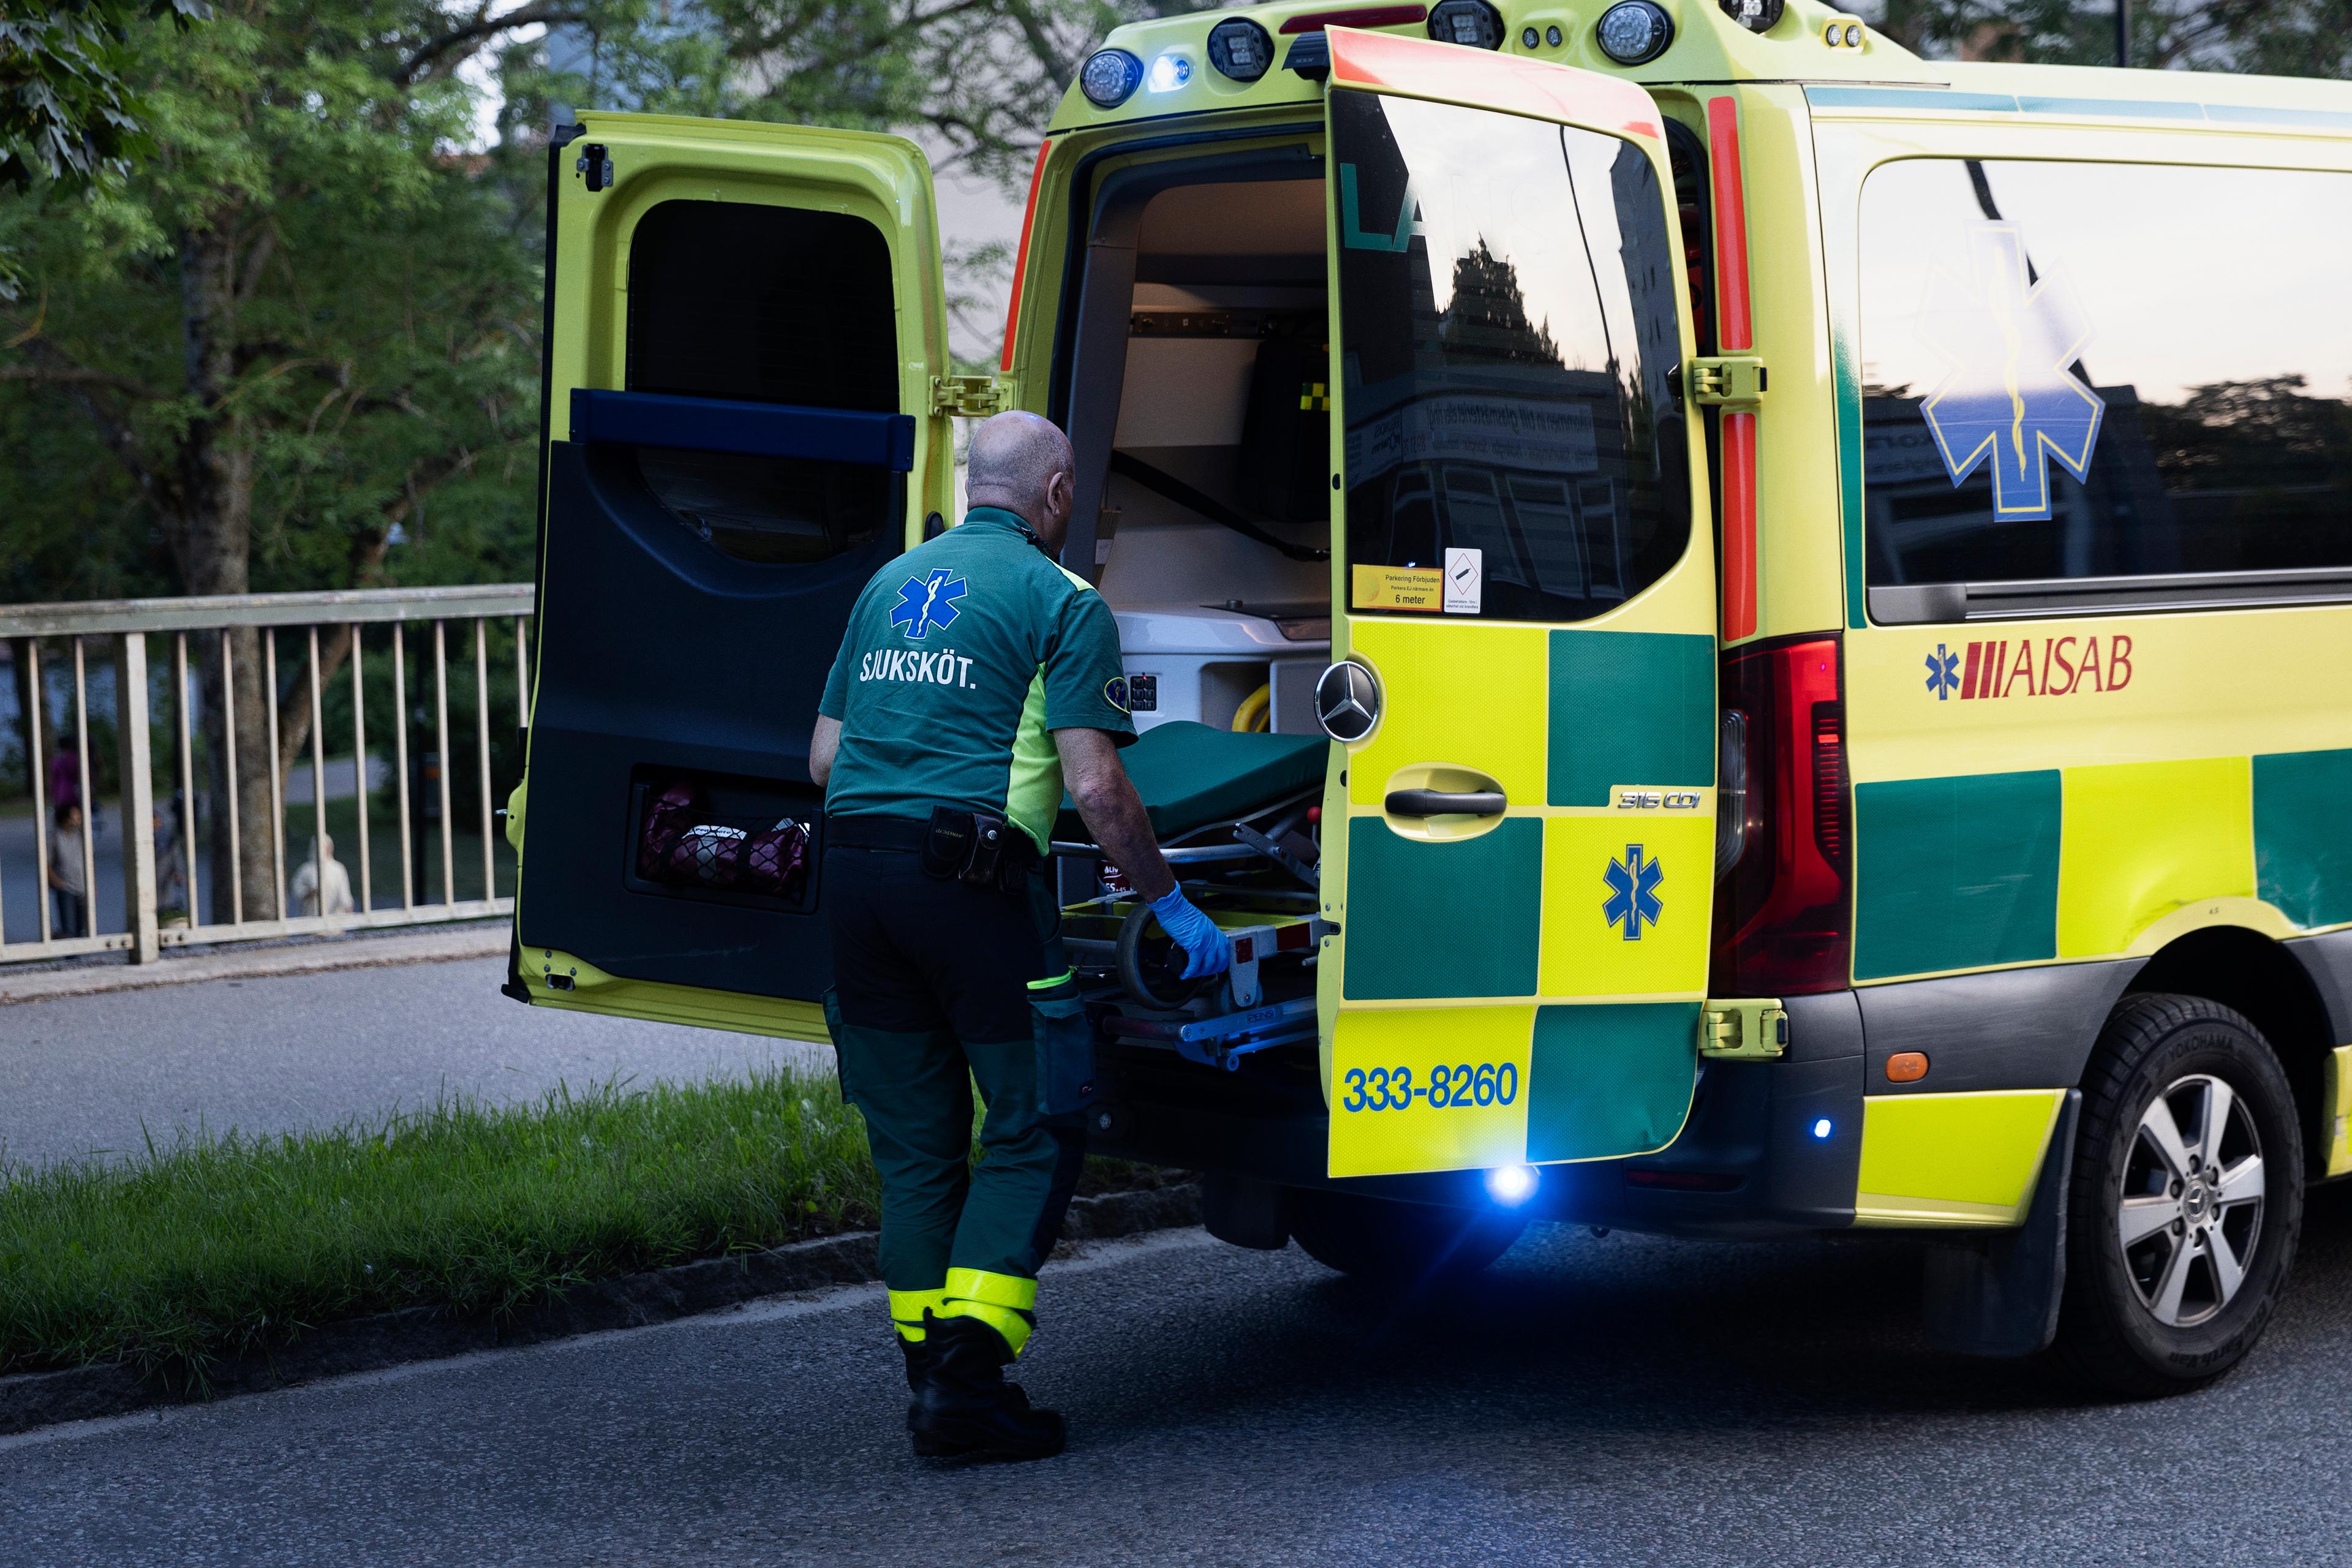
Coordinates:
(1507, 324)
(765, 305)
(2077, 371)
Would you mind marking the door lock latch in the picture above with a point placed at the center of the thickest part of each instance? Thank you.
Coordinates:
(1734, 381)
(1746, 1030)
(594, 164)
(970, 396)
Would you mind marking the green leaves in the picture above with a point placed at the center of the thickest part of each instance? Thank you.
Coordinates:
(66, 112)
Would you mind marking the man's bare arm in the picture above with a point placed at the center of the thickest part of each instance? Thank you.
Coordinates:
(1112, 809)
(822, 747)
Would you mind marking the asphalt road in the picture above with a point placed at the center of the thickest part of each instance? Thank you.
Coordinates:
(84, 1075)
(1621, 1401)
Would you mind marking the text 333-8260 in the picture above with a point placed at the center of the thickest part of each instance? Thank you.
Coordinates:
(1393, 1089)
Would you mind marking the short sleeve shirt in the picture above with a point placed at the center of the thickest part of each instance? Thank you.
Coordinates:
(963, 657)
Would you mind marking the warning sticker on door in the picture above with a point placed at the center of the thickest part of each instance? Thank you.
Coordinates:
(1464, 578)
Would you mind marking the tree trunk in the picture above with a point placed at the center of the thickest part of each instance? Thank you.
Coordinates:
(215, 479)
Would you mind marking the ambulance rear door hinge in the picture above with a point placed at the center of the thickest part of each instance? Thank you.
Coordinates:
(970, 396)
(1748, 1030)
(1734, 381)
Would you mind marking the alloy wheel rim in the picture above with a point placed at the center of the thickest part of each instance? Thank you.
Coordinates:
(2189, 1206)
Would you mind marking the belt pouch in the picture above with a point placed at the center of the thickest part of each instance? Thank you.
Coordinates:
(947, 844)
(1065, 1050)
(987, 852)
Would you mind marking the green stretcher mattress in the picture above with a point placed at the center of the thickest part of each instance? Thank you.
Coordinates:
(1190, 775)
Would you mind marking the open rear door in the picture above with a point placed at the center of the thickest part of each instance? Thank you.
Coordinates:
(744, 323)
(1520, 851)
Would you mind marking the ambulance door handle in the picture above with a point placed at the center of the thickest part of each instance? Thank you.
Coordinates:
(1447, 803)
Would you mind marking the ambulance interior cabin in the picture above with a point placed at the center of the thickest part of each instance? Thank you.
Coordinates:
(1194, 376)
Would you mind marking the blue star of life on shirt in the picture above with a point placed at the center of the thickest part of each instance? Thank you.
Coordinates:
(1943, 679)
(2011, 398)
(1632, 892)
(926, 603)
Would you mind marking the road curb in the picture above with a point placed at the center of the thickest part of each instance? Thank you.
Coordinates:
(426, 1334)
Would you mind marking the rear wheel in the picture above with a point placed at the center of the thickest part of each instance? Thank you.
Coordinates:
(2187, 1198)
(1399, 1243)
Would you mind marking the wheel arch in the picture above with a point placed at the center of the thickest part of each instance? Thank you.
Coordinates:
(2257, 976)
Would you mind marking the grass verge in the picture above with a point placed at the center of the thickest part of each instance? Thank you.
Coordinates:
(220, 1246)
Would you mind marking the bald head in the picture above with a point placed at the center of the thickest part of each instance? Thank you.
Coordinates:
(1023, 463)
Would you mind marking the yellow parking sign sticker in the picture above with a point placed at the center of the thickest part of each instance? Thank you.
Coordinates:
(1400, 588)
(1429, 1089)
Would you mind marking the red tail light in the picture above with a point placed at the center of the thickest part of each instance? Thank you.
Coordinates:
(1783, 919)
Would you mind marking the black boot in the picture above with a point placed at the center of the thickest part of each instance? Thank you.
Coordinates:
(917, 1356)
(962, 1404)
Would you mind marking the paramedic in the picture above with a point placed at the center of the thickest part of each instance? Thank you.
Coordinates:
(976, 677)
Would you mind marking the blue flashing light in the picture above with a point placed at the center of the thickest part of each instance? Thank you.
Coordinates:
(1511, 1186)
(1822, 1129)
(1168, 73)
(1110, 77)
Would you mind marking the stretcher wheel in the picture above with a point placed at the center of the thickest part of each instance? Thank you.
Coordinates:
(1151, 967)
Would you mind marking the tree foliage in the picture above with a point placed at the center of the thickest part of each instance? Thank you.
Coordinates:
(66, 115)
(2277, 38)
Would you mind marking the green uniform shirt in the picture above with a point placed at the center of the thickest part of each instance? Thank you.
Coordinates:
(962, 657)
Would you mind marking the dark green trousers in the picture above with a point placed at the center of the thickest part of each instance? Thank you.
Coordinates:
(934, 986)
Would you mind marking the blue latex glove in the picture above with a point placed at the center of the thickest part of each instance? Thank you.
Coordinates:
(1207, 950)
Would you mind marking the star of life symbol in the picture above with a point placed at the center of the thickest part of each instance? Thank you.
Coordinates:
(1632, 892)
(926, 603)
(1943, 673)
(2011, 397)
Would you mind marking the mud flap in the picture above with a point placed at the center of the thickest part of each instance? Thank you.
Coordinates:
(2000, 1298)
(1244, 1211)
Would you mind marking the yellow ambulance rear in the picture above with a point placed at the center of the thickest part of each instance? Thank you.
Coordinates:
(1748, 631)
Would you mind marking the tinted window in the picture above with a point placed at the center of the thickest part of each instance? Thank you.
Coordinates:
(1507, 324)
(764, 304)
(2075, 370)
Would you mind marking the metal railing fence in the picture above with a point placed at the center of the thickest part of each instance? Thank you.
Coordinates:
(249, 683)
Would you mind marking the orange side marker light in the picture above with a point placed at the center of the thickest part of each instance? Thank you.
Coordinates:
(1906, 1067)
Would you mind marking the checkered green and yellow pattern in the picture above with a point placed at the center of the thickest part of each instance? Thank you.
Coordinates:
(2061, 822)
(1567, 940)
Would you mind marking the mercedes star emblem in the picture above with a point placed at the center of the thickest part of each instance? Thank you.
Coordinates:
(1347, 700)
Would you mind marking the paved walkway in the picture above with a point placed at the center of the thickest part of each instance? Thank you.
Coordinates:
(95, 1075)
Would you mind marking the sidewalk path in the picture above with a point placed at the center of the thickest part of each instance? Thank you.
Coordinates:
(83, 1075)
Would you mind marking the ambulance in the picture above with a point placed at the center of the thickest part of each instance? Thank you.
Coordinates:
(1750, 632)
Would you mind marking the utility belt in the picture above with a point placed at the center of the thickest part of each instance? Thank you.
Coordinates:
(956, 845)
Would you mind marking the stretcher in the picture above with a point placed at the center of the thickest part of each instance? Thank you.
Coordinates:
(1235, 815)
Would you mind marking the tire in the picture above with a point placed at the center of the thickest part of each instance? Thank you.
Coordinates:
(2171, 1275)
(1397, 1242)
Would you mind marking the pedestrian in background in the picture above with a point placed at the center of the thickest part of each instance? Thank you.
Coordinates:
(318, 892)
(65, 775)
(69, 892)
